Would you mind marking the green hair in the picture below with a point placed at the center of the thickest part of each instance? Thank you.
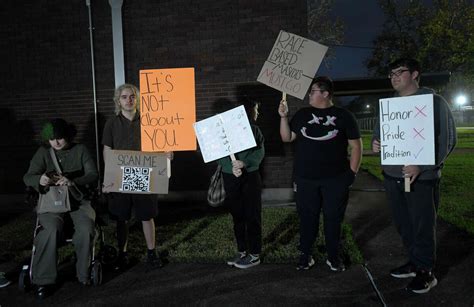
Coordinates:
(47, 133)
(57, 129)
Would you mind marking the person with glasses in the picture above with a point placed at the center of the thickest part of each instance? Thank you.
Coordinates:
(414, 213)
(323, 172)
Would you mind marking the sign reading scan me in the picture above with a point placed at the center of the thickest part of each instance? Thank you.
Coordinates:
(407, 130)
(224, 134)
(128, 171)
(292, 64)
(167, 109)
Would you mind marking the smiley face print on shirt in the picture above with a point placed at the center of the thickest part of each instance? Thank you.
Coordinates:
(319, 120)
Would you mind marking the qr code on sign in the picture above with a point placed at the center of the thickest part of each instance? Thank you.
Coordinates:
(135, 179)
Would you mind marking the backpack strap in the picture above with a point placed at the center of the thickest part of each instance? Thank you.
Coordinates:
(55, 160)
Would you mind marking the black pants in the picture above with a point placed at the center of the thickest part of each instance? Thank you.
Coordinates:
(244, 198)
(329, 195)
(414, 216)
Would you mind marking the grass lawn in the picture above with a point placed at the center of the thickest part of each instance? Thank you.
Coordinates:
(465, 138)
(457, 188)
(205, 237)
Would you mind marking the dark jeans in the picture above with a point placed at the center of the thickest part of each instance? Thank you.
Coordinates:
(414, 216)
(329, 195)
(244, 198)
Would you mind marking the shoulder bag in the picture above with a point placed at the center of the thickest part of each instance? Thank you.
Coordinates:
(57, 199)
(216, 191)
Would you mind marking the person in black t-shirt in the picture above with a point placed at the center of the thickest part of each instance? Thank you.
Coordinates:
(323, 171)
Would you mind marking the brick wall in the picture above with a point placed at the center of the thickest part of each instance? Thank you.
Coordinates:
(46, 70)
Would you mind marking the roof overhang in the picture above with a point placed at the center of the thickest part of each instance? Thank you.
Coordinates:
(363, 86)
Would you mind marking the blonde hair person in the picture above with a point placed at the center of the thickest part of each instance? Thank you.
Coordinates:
(118, 92)
(122, 132)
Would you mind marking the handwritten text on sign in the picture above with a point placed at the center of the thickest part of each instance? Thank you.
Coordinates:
(224, 134)
(292, 64)
(129, 171)
(407, 130)
(167, 109)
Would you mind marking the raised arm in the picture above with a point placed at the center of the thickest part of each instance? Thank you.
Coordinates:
(285, 132)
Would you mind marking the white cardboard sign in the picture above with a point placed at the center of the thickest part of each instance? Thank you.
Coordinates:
(407, 130)
(224, 134)
(292, 64)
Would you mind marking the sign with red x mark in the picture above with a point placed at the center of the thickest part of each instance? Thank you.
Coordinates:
(407, 130)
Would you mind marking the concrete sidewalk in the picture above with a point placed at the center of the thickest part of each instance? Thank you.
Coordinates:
(281, 284)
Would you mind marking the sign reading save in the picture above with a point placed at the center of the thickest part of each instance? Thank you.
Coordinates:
(407, 130)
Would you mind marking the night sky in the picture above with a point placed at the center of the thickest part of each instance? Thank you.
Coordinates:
(363, 20)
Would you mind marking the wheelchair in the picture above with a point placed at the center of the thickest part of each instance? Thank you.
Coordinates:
(106, 254)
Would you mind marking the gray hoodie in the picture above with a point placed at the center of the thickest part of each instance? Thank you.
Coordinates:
(445, 139)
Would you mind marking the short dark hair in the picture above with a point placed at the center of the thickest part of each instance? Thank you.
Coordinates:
(411, 64)
(324, 83)
(249, 104)
(58, 128)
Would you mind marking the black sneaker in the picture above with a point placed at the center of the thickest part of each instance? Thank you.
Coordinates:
(86, 283)
(423, 282)
(154, 261)
(248, 261)
(122, 263)
(44, 291)
(305, 262)
(405, 271)
(236, 258)
(336, 266)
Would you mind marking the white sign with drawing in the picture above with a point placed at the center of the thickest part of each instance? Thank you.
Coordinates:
(407, 130)
(292, 64)
(224, 134)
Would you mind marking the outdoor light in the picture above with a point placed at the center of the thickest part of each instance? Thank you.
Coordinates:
(461, 100)
(367, 106)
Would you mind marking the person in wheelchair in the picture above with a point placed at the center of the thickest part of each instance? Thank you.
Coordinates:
(77, 172)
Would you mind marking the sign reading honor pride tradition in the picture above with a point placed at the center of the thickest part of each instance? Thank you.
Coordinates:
(224, 134)
(407, 130)
(128, 171)
(167, 109)
(292, 64)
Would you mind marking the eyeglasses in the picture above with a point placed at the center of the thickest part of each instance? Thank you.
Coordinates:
(312, 91)
(397, 73)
